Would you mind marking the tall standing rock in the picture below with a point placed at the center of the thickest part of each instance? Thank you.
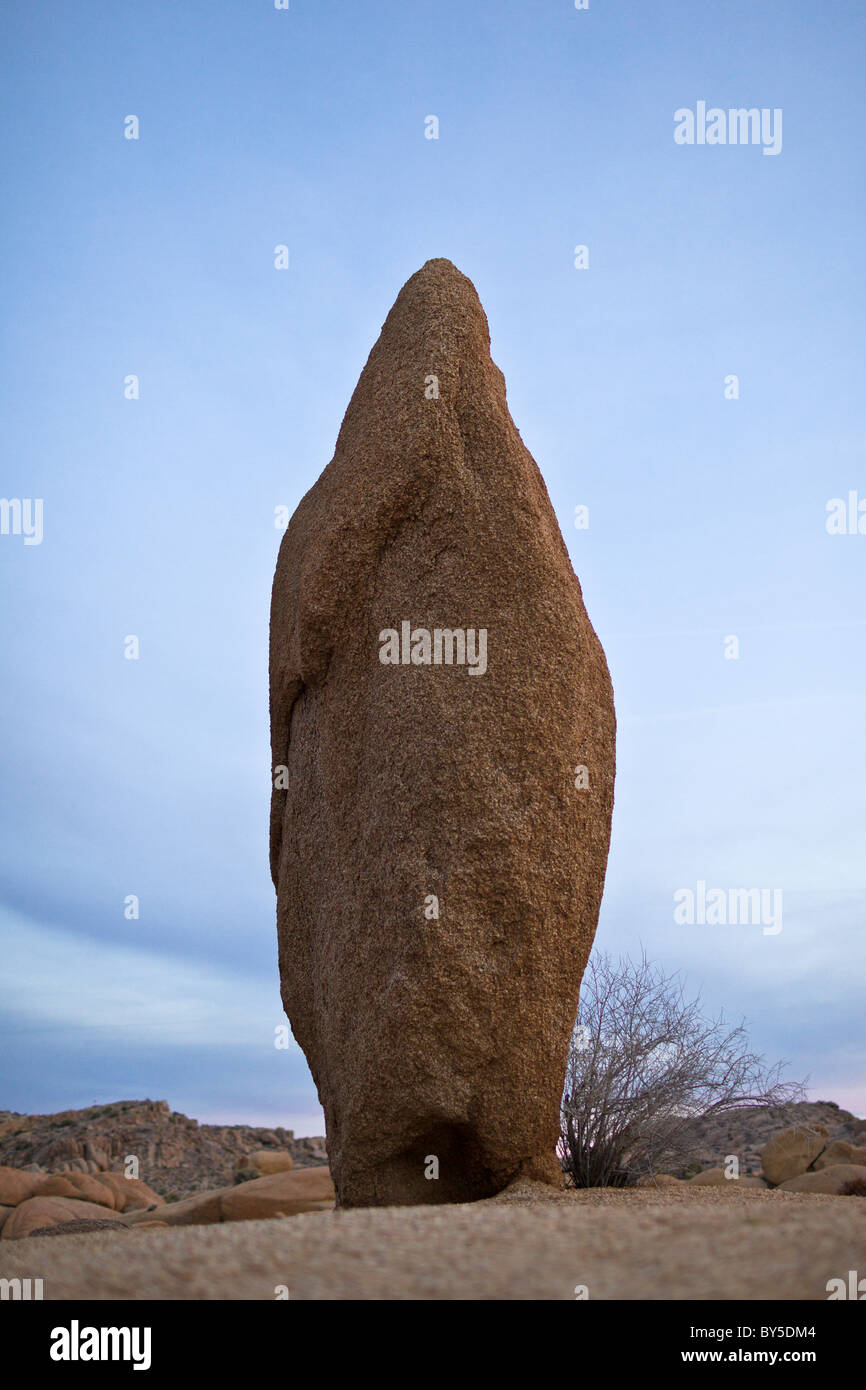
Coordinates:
(438, 857)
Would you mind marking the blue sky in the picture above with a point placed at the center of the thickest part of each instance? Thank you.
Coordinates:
(155, 257)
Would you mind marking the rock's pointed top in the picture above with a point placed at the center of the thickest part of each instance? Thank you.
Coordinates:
(439, 270)
(442, 301)
(440, 265)
(434, 346)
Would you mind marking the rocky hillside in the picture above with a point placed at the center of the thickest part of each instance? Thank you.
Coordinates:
(176, 1155)
(745, 1132)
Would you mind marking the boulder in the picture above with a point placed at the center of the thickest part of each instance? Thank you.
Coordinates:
(281, 1194)
(833, 1180)
(658, 1180)
(841, 1152)
(131, 1194)
(93, 1190)
(442, 729)
(56, 1185)
(16, 1186)
(37, 1212)
(4, 1212)
(266, 1161)
(792, 1151)
(716, 1177)
(203, 1209)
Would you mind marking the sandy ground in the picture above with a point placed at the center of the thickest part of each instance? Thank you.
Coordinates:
(680, 1243)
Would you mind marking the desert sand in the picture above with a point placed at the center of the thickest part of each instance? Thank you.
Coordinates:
(528, 1243)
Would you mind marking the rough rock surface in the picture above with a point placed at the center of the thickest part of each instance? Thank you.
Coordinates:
(403, 791)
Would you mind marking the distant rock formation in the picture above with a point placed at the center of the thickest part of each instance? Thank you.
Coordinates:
(747, 1131)
(175, 1154)
(443, 757)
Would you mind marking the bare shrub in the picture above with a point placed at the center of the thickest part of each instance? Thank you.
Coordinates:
(644, 1062)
